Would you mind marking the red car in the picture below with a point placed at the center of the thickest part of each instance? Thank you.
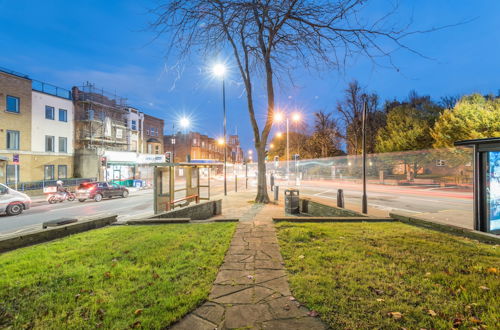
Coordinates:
(99, 190)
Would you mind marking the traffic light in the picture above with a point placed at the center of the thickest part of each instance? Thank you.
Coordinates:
(104, 161)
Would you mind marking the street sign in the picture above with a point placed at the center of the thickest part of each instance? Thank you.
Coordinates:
(15, 159)
(168, 157)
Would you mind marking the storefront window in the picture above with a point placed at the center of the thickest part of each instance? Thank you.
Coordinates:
(11, 174)
(62, 172)
(49, 172)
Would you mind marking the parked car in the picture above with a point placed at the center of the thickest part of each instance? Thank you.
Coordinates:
(99, 190)
(12, 201)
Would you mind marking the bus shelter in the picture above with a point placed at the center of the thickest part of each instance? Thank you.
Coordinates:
(179, 184)
(486, 183)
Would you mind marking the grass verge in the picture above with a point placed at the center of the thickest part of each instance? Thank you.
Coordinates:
(116, 277)
(392, 275)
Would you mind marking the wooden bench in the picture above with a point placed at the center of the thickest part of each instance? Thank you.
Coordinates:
(171, 205)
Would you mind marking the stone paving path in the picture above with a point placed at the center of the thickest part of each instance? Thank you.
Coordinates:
(251, 289)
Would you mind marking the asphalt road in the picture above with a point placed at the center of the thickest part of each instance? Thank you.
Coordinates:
(136, 203)
(414, 199)
(386, 198)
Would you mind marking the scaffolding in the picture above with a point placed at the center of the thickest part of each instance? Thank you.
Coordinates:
(101, 119)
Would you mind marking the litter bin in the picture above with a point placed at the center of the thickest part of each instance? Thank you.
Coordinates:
(292, 201)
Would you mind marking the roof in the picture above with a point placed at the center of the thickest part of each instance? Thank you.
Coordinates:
(493, 140)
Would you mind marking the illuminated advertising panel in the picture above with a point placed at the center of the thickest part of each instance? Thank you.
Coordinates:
(493, 190)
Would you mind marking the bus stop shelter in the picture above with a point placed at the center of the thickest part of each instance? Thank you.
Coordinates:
(179, 184)
(486, 183)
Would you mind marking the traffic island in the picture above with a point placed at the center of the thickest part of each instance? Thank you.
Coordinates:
(56, 229)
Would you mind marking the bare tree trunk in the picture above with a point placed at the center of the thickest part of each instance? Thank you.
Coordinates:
(262, 196)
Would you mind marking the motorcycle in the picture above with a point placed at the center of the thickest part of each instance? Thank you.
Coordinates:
(61, 197)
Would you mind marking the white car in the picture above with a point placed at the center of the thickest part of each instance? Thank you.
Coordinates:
(12, 201)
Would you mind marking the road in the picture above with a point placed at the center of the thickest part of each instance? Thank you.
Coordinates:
(382, 197)
(137, 203)
(385, 197)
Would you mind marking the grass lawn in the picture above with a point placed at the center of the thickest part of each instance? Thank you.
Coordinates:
(115, 277)
(392, 275)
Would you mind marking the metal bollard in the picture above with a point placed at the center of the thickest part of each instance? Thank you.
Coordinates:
(271, 179)
(340, 198)
(276, 192)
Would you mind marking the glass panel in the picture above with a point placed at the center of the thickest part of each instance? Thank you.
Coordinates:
(63, 115)
(63, 144)
(49, 143)
(49, 112)
(12, 104)
(62, 171)
(49, 172)
(11, 171)
(13, 140)
(493, 190)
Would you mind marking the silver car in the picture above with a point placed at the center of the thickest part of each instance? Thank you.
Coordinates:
(12, 201)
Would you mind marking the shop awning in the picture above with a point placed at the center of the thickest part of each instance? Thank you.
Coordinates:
(4, 158)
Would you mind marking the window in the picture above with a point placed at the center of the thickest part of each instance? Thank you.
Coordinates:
(12, 140)
(119, 133)
(49, 143)
(134, 125)
(12, 104)
(194, 142)
(48, 172)
(147, 131)
(49, 112)
(157, 149)
(63, 144)
(62, 172)
(12, 170)
(440, 162)
(63, 115)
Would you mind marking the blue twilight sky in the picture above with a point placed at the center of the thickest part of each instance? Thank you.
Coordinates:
(70, 42)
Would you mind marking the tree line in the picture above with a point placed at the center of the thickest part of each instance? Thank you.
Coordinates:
(415, 123)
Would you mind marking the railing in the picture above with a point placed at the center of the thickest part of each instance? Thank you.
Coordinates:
(43, 87)
(39, 185)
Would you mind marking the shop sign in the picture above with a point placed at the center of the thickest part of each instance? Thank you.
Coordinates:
(150, 158)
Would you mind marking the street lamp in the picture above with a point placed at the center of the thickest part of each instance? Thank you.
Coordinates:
(278, 117)
(219, 70)
(184, 123)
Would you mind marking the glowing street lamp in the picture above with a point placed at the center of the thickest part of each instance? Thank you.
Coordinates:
(184, 123)
(219, 70)
(278, 117)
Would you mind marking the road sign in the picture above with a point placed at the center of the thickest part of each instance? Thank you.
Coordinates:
(15, 159)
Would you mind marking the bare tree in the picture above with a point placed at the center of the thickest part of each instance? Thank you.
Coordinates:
(266, 37)
(351, 111)
(325, 140)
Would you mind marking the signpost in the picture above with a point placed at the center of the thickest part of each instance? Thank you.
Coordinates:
(15, 160)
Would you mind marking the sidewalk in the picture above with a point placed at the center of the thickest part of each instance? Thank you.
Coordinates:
(251, 290)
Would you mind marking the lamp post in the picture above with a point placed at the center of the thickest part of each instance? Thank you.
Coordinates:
(364, 198)
(219, 70)
(184, 123)
(278, 117)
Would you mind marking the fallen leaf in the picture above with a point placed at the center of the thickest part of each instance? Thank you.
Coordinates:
(77, 296)
(427, 274)
(137, 324)
(292, 298)
(475, 320)
(395, 315)
(492, 270)
(107, 275)
(286, 307)
(156, 276)
(482, 287)
(301, 257)
(250, 277)
(380, 299)
(138, 311)
(431, 312)
(312, 313)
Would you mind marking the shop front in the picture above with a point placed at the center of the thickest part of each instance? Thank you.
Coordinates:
(129, 167)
